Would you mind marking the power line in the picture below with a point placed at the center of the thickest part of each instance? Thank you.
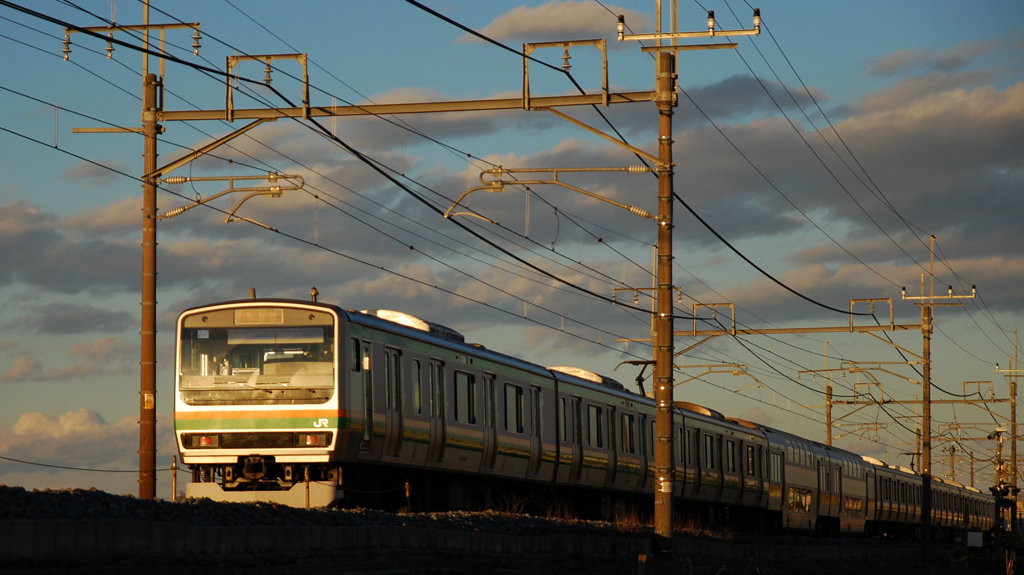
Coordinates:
(71, 468)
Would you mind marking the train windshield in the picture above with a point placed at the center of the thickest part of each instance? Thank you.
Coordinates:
(256, 365)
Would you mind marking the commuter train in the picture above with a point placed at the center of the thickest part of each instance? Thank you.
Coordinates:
(310, 405)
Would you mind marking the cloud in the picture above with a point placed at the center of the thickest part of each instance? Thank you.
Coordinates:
(917, 60)
(39, 250)
(93, 175)
(81, 439)
(557, 20)
(23, 368)
(119, 217)
(78, 437)
(71, 318)
(108, 356)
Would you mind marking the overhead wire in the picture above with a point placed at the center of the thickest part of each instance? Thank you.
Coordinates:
(327, 135)
(844, 312)
(863, 175)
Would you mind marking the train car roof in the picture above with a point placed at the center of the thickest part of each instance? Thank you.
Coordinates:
(587, 375)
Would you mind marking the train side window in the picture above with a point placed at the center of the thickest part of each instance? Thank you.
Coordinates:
(628, 438)
(465, 397)
(595, 428)
(513, 408)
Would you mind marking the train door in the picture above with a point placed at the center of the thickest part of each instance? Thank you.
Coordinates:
(490, 434)
(612, 442)
(775, 478)
(366, 365)
(754, 480)
(536, 447)
(392, 402)
(824, 488)
(438, 435)
(576, 429)
(642, 481)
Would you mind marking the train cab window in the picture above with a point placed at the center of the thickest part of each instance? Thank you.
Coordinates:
(628, 430)
(513, 408)
(465, 397)
(595, 426)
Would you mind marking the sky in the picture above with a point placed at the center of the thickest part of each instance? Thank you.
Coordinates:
(813, 165)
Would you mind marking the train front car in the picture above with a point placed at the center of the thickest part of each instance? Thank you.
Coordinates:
(257, 401)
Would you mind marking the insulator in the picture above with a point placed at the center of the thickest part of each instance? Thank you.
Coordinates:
(110, 46)
(67, 46)
(639, 212)
(637, 169)
(176, 180)
(195, 42)
(174, 212)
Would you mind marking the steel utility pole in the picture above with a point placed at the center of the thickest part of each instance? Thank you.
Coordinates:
(151, 109)
(926, 302)
(664, 329)
(147, 355)
(1011, 375)
(663, 321)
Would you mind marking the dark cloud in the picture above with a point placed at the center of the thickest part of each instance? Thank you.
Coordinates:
(72, 318)
(39, 250)
(917, 60)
